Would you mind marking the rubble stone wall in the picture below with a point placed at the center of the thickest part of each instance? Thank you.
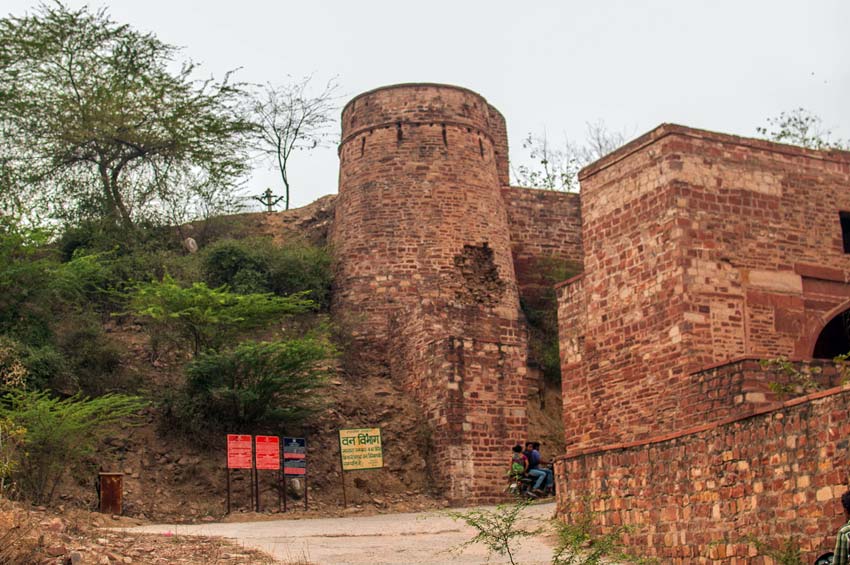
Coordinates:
(700, 495)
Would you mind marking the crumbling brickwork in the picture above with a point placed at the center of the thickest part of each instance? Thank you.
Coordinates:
(425, 268)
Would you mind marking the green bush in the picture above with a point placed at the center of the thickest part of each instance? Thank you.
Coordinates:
(258, 265)
(253, 385)
(59, 434)
(207, 318)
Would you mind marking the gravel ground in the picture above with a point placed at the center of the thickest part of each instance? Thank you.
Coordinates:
(416, 538)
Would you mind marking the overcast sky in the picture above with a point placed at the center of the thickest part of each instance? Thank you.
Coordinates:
(720, 65)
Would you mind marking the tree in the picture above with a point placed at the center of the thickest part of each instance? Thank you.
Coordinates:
(59, 434)
(208, 317)
(556, 167)
(94, 121)
(289, 119)
(803, 128)
(258, 383)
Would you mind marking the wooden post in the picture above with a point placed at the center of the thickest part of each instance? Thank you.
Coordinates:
(305, 492)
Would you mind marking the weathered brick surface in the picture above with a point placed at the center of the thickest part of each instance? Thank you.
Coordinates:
(425, 269)
(545, 225)
(698, 248)
(697, 497)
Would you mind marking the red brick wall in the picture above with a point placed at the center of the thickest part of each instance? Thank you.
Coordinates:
(696, 497)
(544, 225)
(699, 248)
(424, 267)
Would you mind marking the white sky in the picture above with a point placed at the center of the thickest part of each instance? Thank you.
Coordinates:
(714, 64)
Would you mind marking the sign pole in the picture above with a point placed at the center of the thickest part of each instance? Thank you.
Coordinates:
(284, 493)
(256, 489)
(280, 490)
(228, 490)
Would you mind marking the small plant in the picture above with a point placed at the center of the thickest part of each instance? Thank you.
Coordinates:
(578, 545)
(802, 380)
(498, 530)
(11, 437)
(59, 434)
(798, 382)
(788, 552)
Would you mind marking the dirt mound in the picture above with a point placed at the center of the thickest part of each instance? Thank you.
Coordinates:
(30, 536)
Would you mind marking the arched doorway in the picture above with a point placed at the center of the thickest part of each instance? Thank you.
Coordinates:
(834, 339)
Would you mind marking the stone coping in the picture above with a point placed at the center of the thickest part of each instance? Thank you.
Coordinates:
(666, 129)
(752, 412)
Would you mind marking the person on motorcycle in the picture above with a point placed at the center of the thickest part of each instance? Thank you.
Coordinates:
(842, 542)
(519, 463)
(533, 470)
(544, 466)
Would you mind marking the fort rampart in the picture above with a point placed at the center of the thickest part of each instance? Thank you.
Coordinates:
(705, 494)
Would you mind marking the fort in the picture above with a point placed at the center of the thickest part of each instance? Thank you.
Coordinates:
(702, 254)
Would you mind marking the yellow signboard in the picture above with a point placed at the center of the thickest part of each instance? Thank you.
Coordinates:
(361, 448)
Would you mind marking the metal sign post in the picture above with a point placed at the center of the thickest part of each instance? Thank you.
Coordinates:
(268, 457)
(240, 455)
(294, 463)
(359, 448)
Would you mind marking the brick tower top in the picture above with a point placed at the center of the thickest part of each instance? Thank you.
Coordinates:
(401, 105)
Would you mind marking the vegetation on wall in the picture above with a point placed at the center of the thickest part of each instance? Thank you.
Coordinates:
(541, 312)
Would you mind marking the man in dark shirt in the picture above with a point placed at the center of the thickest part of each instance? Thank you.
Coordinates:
(542, 465)
(533, 471)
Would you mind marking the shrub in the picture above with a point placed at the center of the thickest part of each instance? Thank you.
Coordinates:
(207, 318)
(258, 265)
(256, 383)
(59, 434)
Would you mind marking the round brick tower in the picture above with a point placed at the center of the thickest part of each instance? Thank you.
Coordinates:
(424, 267)
(418, 181)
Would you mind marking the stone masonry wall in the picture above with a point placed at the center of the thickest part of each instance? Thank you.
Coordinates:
(425, 270)
(699, 248)
(699, 494)
(545, 226)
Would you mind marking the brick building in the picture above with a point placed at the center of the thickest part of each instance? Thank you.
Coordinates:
(433, 251)
(702, 254)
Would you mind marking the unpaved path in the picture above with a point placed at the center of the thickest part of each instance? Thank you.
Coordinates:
(420, 538)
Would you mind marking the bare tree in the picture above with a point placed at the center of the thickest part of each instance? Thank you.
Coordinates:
(556, 166)
(289, 118)
(801, 127)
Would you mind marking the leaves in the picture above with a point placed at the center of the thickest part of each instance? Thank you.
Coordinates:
(801, 127)
(209, 317)
(258, 382)
(59, 434)
(95, 119)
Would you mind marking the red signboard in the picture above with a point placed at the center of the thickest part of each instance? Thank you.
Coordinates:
(240, 452)
(268, 452)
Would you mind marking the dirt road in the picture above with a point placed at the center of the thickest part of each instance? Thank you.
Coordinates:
(422, 538)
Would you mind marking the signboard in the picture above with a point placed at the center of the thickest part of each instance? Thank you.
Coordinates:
(294, 456)
(360, 448)
(268, 452)
(240, 452)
